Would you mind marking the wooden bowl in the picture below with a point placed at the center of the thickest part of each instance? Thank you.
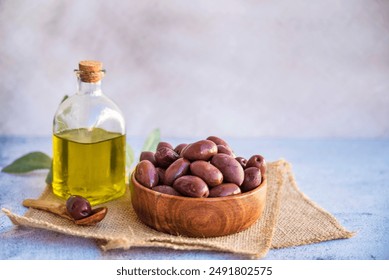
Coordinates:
(197, 217)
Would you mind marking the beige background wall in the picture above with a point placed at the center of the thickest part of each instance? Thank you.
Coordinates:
(192, 68)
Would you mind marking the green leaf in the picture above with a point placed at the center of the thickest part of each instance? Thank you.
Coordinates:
(29, 162)
(64, 98)
(49, 177)
(129, 156)
(152, 141)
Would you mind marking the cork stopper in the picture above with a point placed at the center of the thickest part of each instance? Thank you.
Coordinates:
(90, 71)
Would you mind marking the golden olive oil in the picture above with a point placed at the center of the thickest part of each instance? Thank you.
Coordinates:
(90, 163)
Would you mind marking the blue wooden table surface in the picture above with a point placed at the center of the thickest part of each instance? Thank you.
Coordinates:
(348, 178)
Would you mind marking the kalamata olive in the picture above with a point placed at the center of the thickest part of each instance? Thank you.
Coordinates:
(230, 168)
(78, 207)
(257, 161)
(200, 150)
(221, 149)
(166, 189)
(183, 150)
(146, 174)
(218, 141)
(179, 148)
(146, 155)
(164, 144)
(206, 171)
(165, 156)
(192, 186)
(177, 169)
(225, 189)
(242, 161)
(161, 174)
(252, 179)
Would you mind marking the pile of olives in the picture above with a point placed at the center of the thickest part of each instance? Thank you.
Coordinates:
(206, 168)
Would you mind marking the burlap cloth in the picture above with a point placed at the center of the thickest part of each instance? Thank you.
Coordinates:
(290, 219)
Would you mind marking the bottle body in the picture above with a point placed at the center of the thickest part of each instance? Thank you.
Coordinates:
(93, 169)
(89, 144)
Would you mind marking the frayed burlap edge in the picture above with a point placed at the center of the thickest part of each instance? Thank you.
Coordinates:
(331, 230)
(111, 243)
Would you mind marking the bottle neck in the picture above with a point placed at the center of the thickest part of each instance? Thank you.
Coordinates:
(84, 88)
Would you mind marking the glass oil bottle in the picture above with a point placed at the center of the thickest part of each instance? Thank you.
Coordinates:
(89, 141)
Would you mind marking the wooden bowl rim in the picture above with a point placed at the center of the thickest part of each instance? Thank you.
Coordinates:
(202, 199)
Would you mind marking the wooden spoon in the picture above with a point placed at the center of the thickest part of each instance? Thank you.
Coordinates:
(96, 216)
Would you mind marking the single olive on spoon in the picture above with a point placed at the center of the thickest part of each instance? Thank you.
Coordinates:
(76, 209)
